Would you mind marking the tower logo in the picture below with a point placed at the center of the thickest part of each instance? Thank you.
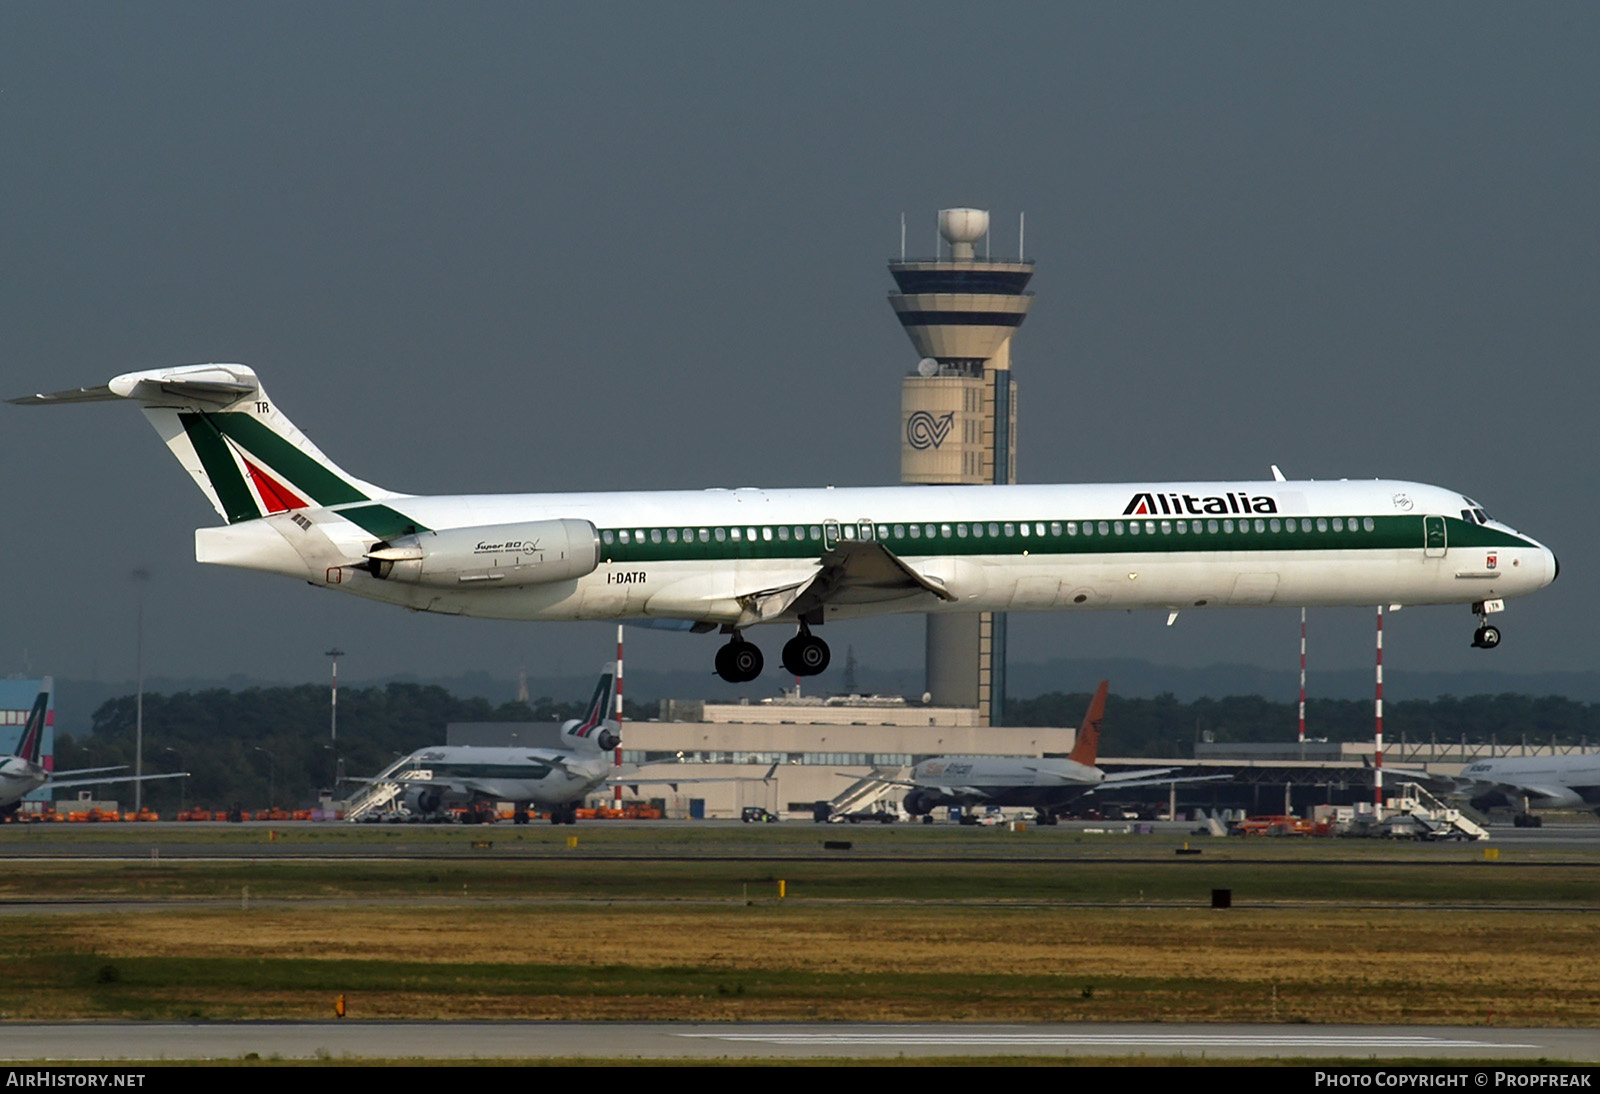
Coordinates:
(923, 430)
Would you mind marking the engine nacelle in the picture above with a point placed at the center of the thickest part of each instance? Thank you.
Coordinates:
(534, 553)
(919, 803)
(424, 800)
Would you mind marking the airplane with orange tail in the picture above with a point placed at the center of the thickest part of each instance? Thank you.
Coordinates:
(1046, 785)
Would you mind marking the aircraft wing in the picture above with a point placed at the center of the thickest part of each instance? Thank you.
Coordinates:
(633, 778)
(851, 572)
(55, 784)
(1154, 777)
(1534, 791)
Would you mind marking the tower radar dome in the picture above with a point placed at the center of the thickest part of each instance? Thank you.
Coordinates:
(963, 225)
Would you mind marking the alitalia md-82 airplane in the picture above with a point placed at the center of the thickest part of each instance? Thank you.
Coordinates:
(728, 560)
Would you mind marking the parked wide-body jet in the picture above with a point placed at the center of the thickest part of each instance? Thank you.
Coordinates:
(556, 779)
(1519, 783)
(441, 777)
(729, 560)
(22, 773)
(1046, 785)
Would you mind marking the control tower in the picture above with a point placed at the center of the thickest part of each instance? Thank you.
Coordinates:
(958, 412)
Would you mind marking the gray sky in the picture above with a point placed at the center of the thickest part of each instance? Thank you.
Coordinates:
(504, 247)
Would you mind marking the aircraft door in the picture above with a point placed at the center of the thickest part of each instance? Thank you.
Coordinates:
(830, 534)
(1434, 541)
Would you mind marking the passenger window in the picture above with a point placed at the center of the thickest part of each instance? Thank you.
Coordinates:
(655, 535)
(607, 536)
(623, 535)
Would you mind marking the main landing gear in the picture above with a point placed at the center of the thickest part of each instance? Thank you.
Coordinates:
(739, 661)
(805, 654)
(1487, 636)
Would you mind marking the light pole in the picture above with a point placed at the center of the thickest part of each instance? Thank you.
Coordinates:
(182, 790)
(140, 577)
(272, 778)
(333, 715)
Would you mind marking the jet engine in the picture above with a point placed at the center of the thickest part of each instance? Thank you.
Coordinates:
(424, 799)
(919, 803)
(491, 555)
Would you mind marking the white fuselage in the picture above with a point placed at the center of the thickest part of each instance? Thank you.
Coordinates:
(18, 779)
(1550, 782)
(462, 773)
(702, 555)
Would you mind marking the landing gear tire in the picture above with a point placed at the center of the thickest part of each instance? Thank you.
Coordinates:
(806, 655)
(1486, 637)
(739, 662)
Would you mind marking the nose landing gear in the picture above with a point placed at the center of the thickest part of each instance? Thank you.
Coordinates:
(1487, 636)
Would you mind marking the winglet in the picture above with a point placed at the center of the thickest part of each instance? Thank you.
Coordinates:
(1087, 745)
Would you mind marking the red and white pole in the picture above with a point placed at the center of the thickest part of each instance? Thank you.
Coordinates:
(616, 791)
(1377, 755)
(1302, 676)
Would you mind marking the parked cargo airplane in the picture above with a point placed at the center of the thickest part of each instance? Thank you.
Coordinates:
(730, 559)
(21, 773)
(1045, 785)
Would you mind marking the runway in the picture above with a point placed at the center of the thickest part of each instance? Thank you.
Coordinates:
(79, 1042)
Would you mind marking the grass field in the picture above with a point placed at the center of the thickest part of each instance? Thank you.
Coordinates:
(908, 925)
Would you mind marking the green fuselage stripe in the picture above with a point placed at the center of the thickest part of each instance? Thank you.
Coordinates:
(1155, 536)
(486, 770)
(381, 521)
